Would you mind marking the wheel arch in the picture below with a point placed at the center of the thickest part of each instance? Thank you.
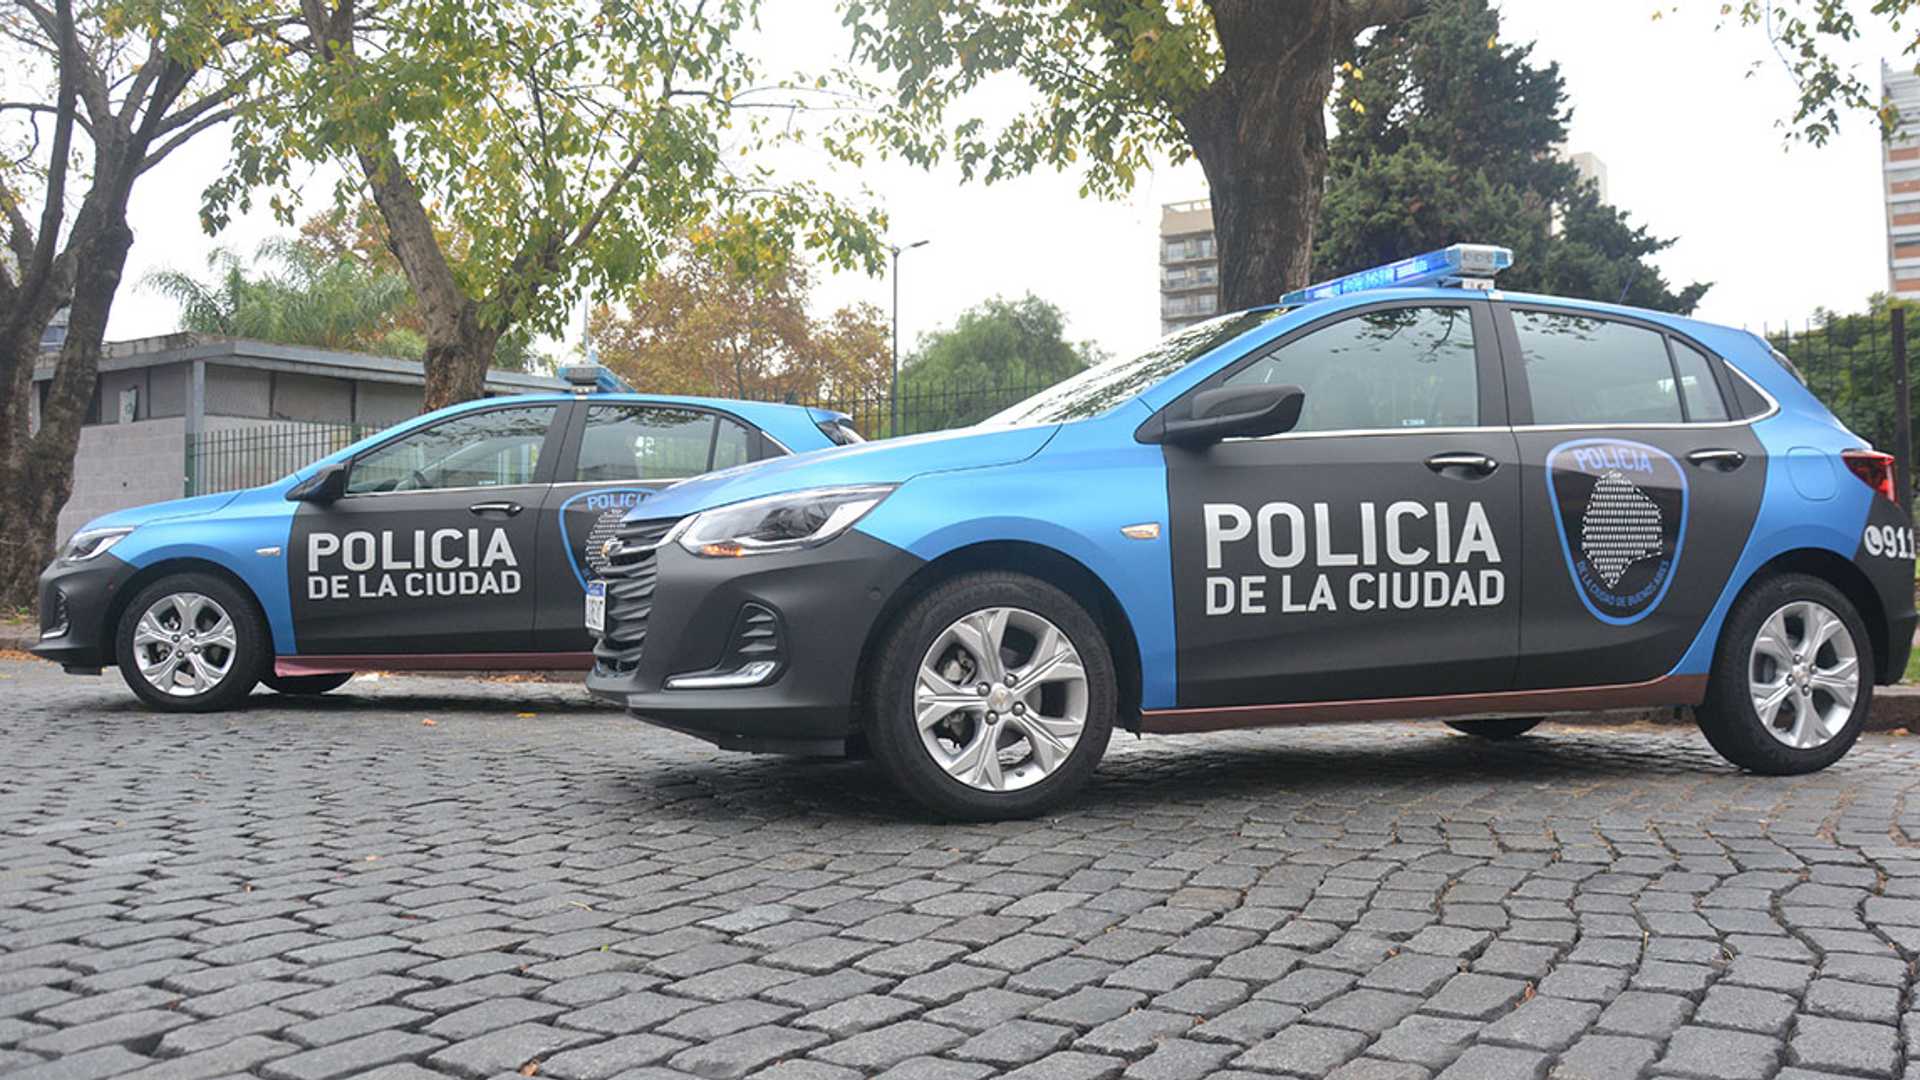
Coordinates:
(1843, 575)
(1051, 565)
(152, 572)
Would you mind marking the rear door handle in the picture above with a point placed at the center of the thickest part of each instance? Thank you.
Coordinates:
(1479, 464)
(507, 508)
(1718, 458)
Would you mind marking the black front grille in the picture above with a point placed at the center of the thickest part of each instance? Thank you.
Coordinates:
(629, 575)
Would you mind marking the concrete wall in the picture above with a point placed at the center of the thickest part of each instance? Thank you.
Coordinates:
(122, 465)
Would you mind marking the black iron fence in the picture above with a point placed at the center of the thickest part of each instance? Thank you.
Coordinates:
(1848, 362)
(234, 458)
(228, 460)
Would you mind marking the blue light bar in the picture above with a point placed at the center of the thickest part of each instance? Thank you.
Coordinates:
(594, 378)
(1457, 263)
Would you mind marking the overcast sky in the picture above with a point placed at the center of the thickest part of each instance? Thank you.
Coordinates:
(1676, 108)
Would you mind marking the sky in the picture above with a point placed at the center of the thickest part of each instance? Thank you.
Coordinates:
(1685, 114)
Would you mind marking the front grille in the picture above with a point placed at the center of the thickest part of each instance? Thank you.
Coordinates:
(629, 575)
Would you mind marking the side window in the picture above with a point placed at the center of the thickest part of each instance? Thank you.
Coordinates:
(494, 448)
(655, 442)
(1582, 370)
(1407, 367)
(732, 445)
(1697, 386)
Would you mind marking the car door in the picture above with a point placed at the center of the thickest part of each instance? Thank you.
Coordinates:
(1370, 552)
(433, 549)
(1640, 486)
(616, 454)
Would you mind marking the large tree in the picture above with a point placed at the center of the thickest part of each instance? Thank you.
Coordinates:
(1802, 35)
(564, 144)
(98, 95)
(710, 322)
(1239, 85)
(1448, 134)
(996, 353)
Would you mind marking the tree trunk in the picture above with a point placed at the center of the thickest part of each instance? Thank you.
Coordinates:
(36, 473)
(459, 349)
(1260, 134)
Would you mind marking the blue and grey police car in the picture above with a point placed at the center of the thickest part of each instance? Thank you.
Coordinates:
(1404, 494)
(467, 538)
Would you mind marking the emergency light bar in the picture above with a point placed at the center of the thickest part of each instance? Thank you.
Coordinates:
(1467, 264)
(594, 378)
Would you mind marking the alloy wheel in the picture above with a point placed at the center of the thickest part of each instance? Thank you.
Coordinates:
(1000, 699)
(1804, 674)
(184, 644)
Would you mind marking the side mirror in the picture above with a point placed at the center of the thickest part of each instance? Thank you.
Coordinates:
(1231, 412)
(324, 486)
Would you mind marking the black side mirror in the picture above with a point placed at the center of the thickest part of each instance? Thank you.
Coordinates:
(324, 486)
(1233, 412)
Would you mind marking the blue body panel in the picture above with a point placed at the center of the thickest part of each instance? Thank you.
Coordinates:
(229, 529)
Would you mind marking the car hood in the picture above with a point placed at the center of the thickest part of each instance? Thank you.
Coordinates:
(171, 510)
(890, 461)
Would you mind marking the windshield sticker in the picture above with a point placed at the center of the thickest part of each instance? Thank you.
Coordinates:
(1620, 509)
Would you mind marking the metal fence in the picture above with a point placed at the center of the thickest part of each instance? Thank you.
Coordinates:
(1848, 363)
(228, 460)
(234, 458)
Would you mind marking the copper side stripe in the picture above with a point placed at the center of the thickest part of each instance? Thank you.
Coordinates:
(519, 661)
(1666, 690)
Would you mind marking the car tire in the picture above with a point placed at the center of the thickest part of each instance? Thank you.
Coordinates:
(1499, 729)
(1796, 643)
(306, 685)
(192, 642)
(1046, 736)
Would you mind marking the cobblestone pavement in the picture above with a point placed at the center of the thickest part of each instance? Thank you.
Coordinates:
(320, 889)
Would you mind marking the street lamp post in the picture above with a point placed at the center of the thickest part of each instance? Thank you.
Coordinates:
(893, 396)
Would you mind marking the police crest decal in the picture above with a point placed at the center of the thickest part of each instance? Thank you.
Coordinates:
(1621, 511)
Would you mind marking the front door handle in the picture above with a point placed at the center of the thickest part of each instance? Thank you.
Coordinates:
(1718, 458)
(1479, 464)
(507, 508)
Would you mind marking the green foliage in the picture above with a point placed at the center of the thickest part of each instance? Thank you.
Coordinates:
(1847, 361)
(1801, 32)
(296, 294)
(565, 145)
(1448, 134)
(1110, 80)
(996, 345)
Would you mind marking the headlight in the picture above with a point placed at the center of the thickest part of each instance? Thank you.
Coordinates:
(92, 543)
(779, 522)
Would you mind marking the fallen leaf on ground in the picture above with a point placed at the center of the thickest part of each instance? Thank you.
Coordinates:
(527, 715)
(430, 722)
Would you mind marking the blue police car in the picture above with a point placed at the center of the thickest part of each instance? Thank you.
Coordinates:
(470, 537)
(1401, 494)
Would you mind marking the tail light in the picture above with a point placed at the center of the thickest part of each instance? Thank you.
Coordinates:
(1874, 469)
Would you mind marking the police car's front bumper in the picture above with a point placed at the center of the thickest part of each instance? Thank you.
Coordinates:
(809, 613)
(75, 599)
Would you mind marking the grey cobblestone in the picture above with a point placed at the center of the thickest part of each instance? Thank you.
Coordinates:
(334, 889)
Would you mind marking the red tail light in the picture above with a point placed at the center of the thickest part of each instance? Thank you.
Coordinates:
(1874, 469)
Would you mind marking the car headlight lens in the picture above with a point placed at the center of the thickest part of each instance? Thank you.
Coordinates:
(798, 519)
(92, 543)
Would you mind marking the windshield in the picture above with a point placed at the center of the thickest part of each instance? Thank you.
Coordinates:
(1103, 386)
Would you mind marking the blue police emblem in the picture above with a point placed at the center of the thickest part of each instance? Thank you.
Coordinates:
(588, 521)
(1621, 511)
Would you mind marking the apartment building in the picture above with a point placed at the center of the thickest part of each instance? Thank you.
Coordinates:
(1900, 173)
(1189, 268)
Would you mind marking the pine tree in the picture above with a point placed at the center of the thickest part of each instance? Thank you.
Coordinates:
(1448, 135)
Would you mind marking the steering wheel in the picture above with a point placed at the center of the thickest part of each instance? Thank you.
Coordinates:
(414, 482)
